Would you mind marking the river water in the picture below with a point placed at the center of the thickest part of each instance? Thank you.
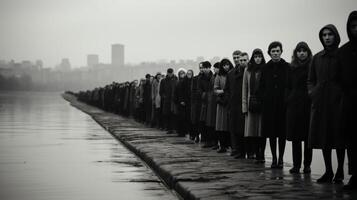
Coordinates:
(49, 150)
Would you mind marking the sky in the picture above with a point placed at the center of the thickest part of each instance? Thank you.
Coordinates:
(152, 30)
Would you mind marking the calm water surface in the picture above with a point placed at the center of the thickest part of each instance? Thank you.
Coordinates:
(51, 150)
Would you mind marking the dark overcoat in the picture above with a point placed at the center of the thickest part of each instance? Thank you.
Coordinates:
(347, 60)
(272, 89)
(167, 88)
(326, 98)
(233, 93)
(195, 99)
(297, 104)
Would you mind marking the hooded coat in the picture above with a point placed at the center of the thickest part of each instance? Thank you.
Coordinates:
(326, 97)
(298, 102)
(347, 58)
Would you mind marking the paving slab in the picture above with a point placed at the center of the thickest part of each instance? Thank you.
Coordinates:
(198, 173)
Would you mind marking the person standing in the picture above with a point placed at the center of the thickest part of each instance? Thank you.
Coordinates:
(233, 92)
(212, 108)
(156, 100)
(222, 111)
(204, 84)
(298, 107)
(166, 92)
(347, 57)
(181, 99)
(195, 105)
(272, 89)
(326, 104)
(251, 104)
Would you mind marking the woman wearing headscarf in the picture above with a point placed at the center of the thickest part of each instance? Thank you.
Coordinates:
(181, 99)
(326, 104)
(251, 104)
(222, 109)
(298, 107)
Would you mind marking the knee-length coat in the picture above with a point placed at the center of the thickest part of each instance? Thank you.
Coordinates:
(222, 110)
(297, 104)
(195, 96)
(233, 92)
(253, 121)
(326, 98)
(272, 89)
(211, 104)
(166, 92)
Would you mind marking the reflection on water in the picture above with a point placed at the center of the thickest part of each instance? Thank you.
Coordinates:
(50, 150)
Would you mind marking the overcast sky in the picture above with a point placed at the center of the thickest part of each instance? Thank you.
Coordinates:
(161, 29)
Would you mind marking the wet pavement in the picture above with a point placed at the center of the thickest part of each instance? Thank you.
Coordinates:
(197, 173)
(49, 150)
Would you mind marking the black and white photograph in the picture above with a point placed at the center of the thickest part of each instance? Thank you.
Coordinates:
(178, 99)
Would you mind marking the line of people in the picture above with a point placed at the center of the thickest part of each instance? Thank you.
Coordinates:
(310, 100)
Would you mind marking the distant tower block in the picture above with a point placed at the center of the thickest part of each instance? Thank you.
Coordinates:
(118, 55)
(92, 60)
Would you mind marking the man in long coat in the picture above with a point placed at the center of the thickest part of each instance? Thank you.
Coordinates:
(166, 92)
(233, 89)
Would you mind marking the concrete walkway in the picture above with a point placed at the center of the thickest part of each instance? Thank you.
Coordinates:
(197, 173)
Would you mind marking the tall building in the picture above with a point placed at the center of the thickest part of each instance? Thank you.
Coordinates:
(92, 60)
(118, 55)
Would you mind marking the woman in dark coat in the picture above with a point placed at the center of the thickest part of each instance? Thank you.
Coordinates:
(347, 57)
(222, 128)
(253, 117)
(326, 104)
(272, 91)
(181, 99)
(204, 84)
(195, 105)
(212, 108)
(298, 107)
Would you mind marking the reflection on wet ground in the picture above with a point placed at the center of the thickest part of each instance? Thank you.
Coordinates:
(50, 150)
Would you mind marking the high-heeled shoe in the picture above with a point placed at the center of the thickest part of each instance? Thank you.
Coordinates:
(280, 164)
(326, 178)
(307, 170)
(274, 164)
(339, 176)
(295, 170)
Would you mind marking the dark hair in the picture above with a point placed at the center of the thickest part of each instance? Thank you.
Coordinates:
(206, 64)
(190, 70)
(236, 52)
(170, 70)
(252, 63)
(301, 45)
(216, 65)
(224, 62)
(147, 76)
(243, 54)
(275, 44)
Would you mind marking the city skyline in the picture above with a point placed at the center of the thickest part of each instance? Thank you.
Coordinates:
(154, 30)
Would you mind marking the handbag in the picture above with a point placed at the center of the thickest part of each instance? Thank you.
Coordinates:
(255, 104)
(221, 100)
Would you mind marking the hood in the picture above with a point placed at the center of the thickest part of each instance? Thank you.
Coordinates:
(301, 45)
(332, 28)
(352, 16)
